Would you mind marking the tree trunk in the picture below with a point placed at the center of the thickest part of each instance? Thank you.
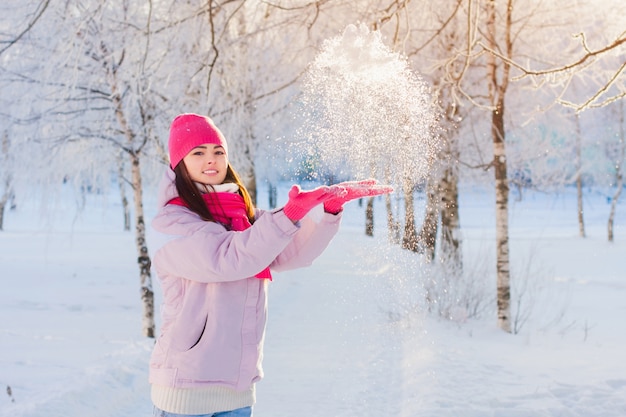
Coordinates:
(619, 174)
(122, 188)
(450, 247)
(244, 164)
(451, 250)
(369, 217)
(7, 189)
(272, 196)
(497, 91)
(3, 203)
(502, 223)
(143, 259)
(614, 200)
(428, 233)
(393, 226)
(579, 179)
(250, 184)
(409, 240)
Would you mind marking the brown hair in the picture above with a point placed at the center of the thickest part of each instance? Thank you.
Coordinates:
(189, 193)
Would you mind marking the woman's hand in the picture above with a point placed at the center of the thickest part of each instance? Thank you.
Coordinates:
(354, 190)
(301, 202)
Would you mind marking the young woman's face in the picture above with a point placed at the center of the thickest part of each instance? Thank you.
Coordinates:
(207, 164)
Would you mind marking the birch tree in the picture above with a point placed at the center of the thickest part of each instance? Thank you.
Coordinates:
(20, 24)
(579, 178)
(491, 26)
(105, 69)
(498, 76)
(6, 176)
(618, 157)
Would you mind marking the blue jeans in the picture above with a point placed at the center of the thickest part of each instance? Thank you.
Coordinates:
(240, 412)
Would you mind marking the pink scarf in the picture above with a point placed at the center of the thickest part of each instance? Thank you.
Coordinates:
(228, 209)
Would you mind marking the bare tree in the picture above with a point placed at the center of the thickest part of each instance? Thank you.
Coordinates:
(6, 178)
(103, 101)
(451, 243)
(489, 28)
(619, 160)
(498, 76)
(14, 38)
(579, 177)
(110, 61)
(441, 218)
(409, 237)
(426, 239)
(18, 20)
(601, 65)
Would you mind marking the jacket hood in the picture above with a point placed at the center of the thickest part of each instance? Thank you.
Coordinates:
(167, 188)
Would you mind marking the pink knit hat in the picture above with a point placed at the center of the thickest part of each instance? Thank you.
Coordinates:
(190, 130)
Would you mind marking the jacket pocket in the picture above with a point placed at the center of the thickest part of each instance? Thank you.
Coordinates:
(201, 334)
(186, 335)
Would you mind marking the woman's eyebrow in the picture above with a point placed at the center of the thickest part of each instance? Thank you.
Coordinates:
(206, 147)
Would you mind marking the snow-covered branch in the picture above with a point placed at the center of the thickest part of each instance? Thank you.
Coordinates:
(41, 8)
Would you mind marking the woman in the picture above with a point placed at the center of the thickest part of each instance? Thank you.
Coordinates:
(214, 268)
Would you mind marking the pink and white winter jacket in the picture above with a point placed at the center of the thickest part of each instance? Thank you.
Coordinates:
(214, 310)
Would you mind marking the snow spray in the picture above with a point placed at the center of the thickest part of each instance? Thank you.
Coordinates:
(367, 114)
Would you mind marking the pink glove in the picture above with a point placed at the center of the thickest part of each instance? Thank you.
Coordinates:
(355, 189)
(301, 202)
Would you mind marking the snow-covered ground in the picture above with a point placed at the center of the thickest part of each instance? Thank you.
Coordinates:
(346, 337)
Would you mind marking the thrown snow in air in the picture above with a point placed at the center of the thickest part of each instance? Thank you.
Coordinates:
(367, 113)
